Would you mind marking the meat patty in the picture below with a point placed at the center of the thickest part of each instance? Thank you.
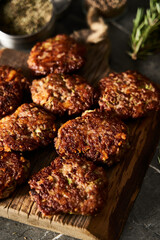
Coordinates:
(74, 186)
(10, 74)
(95, 135)
(12, 83)
(61, 54)
(14, 170)
(61, 93)
(128, 94)
(26, 129)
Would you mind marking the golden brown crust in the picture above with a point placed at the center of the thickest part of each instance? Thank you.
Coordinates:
(14, 170)
(61, 93)
(96, 136)
(26, 129)
(61, 54)
(10, 74)
(68, 185)
(12, 83)
(128, 94)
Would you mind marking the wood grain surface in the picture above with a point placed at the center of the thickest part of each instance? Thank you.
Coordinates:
(125, 178)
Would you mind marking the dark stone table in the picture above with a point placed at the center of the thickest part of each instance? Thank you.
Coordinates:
(144, 219)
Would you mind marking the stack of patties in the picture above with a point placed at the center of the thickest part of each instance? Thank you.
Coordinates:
(73, 183)
(70, 184)
(26, 129)
(14, 168)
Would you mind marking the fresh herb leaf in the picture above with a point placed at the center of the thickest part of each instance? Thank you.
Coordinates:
(145, 37)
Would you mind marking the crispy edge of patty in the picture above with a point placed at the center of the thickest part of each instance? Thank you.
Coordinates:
(75, 186)
(12, 86)
(10, 98)
(10, 74)
(14, 170)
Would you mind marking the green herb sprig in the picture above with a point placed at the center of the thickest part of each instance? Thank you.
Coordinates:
(145, 37)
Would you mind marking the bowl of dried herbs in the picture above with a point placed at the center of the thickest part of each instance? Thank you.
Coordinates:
(24, 22)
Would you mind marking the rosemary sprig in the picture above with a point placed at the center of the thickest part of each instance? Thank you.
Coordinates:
(145, 37)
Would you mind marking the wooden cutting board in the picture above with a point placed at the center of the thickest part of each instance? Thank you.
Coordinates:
(125, 178)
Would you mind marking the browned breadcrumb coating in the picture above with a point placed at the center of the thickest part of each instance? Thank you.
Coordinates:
(10, 97)
(10, 74)
(61, 54)
(14, 170)
(61, 93)
(26, 129)
(12, 83)
(95, 135)
(74, 186)
(128, 94)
